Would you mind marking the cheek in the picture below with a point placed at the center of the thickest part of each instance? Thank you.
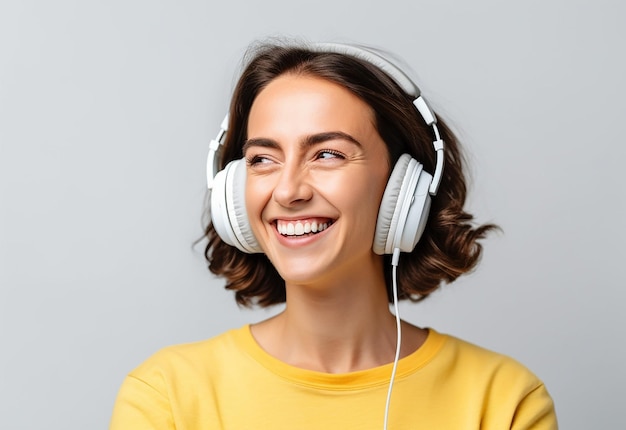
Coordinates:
(374, 194)
(255, 199)
(362, 199)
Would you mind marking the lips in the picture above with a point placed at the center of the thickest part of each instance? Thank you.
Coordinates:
(302, 227)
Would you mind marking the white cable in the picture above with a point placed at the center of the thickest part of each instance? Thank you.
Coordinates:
(394, 265)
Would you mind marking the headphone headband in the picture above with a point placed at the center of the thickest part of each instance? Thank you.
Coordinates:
(368, 55)
(213, 161)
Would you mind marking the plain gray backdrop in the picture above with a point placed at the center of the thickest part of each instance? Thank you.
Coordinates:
(106, 111)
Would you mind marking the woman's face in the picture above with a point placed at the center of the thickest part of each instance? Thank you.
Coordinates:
(316, 172)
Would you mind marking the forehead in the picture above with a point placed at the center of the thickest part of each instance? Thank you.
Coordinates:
(305, 104)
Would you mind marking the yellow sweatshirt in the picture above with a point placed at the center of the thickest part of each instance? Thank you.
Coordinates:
(230, 383)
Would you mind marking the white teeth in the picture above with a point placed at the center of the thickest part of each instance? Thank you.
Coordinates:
(298, 229)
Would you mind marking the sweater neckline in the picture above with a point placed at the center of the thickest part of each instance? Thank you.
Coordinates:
(361, 379)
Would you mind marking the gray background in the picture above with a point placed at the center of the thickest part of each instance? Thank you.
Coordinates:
(106, 110)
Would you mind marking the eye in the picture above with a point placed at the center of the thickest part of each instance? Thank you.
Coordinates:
(257, 159)
(327, 154)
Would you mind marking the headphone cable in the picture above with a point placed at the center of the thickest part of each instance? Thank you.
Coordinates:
(394, 265)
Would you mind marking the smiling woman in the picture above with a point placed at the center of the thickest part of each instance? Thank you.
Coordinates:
(333, 199)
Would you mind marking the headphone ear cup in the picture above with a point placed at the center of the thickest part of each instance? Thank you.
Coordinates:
(219, 211)
(388, 205)
(239, 213)
(404, 207)
(414, 222)
(228, 208)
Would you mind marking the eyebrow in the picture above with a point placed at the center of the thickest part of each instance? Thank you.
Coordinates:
(310, 140)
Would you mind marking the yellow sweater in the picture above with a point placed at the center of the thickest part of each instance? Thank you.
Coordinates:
(229, 382)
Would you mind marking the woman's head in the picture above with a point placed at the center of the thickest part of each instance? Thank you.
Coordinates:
(448, 247)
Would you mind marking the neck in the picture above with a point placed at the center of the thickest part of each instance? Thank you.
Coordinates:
(336, 327)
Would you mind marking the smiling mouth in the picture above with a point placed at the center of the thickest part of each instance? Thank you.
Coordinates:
(302, 228)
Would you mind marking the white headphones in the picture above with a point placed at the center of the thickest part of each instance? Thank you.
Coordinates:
(406, 201)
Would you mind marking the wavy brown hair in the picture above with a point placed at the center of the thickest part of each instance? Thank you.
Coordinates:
(449, 245)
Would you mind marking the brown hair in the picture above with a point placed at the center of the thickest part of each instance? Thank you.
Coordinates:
(449, 246)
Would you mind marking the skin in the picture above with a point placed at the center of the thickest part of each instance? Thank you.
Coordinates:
(314, 156)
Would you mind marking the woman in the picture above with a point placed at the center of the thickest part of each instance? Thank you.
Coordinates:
(334, 179)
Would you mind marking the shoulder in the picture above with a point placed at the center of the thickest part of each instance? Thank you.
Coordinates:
(489, 373)
(483, 362)
(196, 358)
(508, 389)
(164, 389)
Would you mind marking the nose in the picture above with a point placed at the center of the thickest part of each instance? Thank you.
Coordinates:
(292, 186)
